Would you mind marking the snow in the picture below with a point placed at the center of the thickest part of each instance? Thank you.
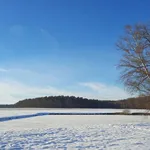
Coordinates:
(4, 112)
(73, 132)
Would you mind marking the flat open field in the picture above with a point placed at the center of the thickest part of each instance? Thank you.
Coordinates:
(74, 132)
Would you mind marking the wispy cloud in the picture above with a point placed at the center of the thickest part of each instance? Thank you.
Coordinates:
(12, 91)
(106, 91)
(94, 86)
(17, 84)
(3, 70)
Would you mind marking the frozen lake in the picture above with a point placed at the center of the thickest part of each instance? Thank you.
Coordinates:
(74, 132)
(24, 111)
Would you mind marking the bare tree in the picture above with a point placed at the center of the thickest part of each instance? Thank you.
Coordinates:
(135, 61)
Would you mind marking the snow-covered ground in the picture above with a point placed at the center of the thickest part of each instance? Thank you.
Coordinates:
(74, 132)
(4, 112)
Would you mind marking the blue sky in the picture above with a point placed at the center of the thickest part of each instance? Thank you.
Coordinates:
(63, 47)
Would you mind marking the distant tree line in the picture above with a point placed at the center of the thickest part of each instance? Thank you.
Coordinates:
(142, 102)
(65, 102)
(7, 106)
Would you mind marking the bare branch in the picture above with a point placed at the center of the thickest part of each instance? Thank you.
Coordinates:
(135, 61)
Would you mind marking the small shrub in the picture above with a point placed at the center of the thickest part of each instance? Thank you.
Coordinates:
(126, 111)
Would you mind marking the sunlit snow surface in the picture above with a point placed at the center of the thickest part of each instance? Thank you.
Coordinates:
(74, 132)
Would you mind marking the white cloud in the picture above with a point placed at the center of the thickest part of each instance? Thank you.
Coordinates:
(94, 86)
(14, 88)
(12, 91)
(3, 70)
(106, 91)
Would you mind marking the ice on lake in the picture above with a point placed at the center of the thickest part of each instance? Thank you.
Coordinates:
(74, 132)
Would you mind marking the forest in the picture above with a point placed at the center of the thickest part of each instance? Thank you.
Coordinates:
(142, 102)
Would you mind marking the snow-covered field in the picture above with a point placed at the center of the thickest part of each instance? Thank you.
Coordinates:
(73, 132)
(26, 111)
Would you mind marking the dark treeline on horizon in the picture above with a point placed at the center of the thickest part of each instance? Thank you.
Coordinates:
(79, 102)
(7, 106)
